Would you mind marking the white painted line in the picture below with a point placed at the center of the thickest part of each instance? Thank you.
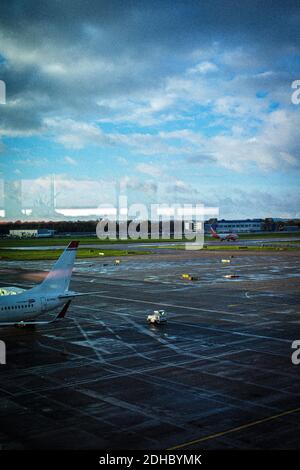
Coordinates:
(127, 299)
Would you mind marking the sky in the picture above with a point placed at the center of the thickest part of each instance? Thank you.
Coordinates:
(165, 101)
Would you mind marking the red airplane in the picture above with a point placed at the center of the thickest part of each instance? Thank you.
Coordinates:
(224, 236)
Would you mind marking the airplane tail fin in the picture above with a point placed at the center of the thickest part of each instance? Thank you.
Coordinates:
(58, 279)
(212, 230)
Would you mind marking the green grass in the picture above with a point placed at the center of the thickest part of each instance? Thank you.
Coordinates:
(6, 243)
(236, 248)
(30, 255)
(249, 248)
(35, 255)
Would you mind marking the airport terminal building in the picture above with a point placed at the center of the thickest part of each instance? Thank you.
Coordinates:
(240, 226)
(31, 233)
(235, 226)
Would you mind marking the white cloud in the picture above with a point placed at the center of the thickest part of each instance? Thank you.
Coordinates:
(75, 134)
(203, 68)
(132, 184)
(70, 192)
(273, 145)
(148, 169)
(123, 161)
(70, 161)
(33, 162)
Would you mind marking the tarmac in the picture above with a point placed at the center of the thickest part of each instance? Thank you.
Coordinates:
(218, 375)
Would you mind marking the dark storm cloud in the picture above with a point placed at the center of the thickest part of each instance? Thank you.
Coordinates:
(62, 57)
(172, 23)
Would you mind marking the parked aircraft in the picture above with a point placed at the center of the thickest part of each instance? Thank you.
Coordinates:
(21, 307)
(224, 236)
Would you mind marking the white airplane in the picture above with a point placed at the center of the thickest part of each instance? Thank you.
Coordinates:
(224, 236)
(19, 307)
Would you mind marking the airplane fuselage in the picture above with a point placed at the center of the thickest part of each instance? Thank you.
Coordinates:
(226, 236)
(26, 306)
(51, 293)
(223, 236)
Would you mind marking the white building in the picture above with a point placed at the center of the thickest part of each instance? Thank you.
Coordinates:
(239, 226)
(31, 233)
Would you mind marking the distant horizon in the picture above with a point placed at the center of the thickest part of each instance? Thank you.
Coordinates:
(94, 219)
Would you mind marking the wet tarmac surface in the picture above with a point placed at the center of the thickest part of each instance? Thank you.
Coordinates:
(218, 375)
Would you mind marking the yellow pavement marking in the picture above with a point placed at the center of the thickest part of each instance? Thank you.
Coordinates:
(239, 428)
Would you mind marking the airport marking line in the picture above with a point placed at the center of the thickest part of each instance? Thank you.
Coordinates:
(238, 428)
(127, 299)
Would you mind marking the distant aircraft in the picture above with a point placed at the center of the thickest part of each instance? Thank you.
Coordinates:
(19, 307)
(224, 236)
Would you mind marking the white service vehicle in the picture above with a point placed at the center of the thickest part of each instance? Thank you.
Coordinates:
(157, 317)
